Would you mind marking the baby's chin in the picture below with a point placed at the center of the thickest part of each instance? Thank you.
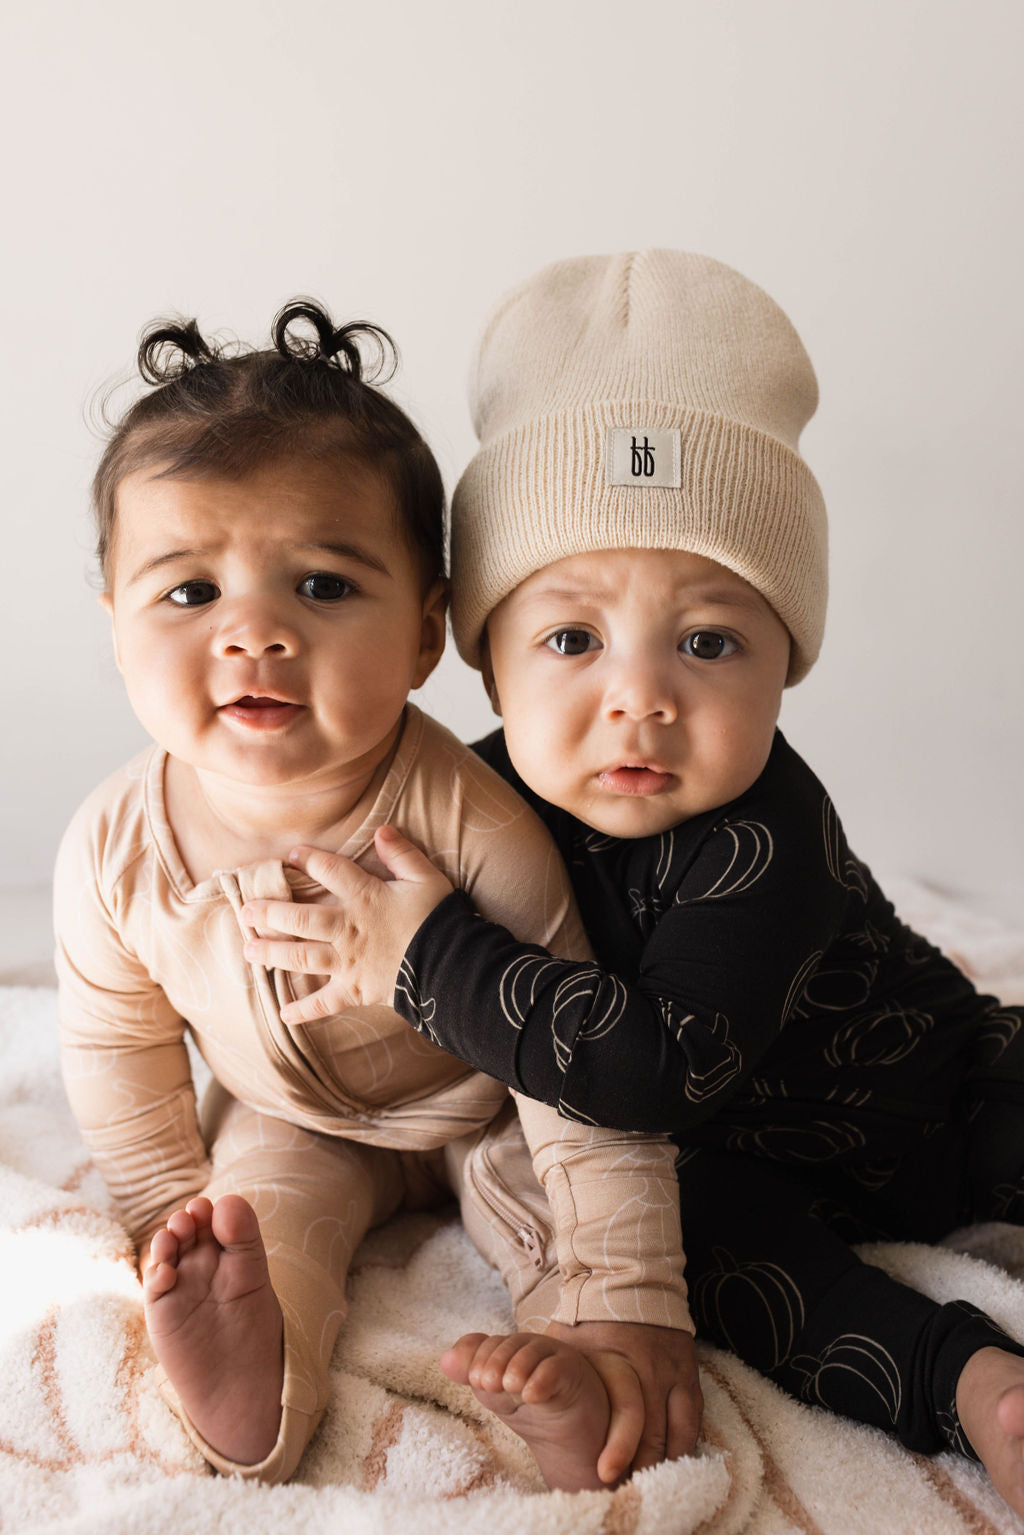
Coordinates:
(627, 817)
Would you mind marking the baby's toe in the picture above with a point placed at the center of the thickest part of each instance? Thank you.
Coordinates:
(159, 1279)
(201, 1211)
(164, 1247)
(183, 1227)
(234, 1222)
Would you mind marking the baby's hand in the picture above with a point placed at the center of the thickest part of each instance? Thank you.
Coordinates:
(360, 941)
(656, 1404)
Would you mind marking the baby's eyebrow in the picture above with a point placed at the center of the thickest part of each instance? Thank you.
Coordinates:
(689, 596)
(569, 594)
(725, 597)
(167, 558)
(346, 551)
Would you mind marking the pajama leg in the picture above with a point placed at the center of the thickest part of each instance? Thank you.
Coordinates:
(599, 1241)
(507, 1215)
(994, 1109)
(770, 1281)
(315, 1196)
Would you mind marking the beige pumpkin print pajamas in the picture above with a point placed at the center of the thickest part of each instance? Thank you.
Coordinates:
(328, 1128)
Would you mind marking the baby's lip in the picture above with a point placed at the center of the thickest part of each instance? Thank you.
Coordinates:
(261, 711)
(635, 764)
(639, 778)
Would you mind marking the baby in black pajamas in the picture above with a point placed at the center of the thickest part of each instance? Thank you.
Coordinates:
(639, 569)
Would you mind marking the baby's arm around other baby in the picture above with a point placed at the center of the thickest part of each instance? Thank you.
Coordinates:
(662, 1050)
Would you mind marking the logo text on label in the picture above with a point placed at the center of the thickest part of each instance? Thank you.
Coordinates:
(643, 455)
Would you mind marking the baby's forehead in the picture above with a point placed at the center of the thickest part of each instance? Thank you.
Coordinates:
(604, 575)
(161, 516)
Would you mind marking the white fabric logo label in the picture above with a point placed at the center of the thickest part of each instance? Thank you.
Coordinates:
(638, 455)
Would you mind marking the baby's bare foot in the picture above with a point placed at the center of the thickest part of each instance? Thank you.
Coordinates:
(215, 1324)
(990, 1405)
(545, 1390)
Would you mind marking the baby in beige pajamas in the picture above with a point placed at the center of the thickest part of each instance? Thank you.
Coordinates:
(270, 542)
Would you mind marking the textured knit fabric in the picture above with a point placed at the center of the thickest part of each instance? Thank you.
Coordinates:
(654, 341)
(829, 1076)
(315, 1124)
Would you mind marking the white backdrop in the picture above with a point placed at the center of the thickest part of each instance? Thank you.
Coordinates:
(405, 162)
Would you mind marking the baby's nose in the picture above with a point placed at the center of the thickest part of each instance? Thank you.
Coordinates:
(641, 691)
(255, 629)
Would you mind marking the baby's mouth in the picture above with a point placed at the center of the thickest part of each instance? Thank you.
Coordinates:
(632, 779)
(260, 712)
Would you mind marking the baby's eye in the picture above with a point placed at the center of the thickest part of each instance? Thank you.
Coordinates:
(193, 594)
(323, 587)
(572, 642)
(709, 645)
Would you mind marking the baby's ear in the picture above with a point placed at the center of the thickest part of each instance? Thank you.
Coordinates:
(433, 631)
(106, 602)
(487, 672)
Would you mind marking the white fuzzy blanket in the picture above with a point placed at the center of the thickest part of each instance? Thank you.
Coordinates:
(87, 1445)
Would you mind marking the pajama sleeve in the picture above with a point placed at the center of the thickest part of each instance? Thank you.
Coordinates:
(126, 1067)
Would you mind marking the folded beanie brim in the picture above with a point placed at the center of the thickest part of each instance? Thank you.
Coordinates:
(745, 499)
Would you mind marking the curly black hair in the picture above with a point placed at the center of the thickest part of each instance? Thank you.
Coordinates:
(217, 410)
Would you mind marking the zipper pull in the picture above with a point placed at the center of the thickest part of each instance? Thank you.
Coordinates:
(533, 1245)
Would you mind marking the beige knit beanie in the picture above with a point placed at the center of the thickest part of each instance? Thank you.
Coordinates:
(651, 400)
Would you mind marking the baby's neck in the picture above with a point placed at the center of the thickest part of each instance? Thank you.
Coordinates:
(218, 824)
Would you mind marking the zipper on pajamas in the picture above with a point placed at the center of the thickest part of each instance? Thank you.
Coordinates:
(297, 1074)
(526, 1236)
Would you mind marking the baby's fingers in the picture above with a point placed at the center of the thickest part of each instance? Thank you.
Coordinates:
(626, 1428)
(405, 860)
(296, 958)
(339, 875)
(298, 919)
(325, 1003)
